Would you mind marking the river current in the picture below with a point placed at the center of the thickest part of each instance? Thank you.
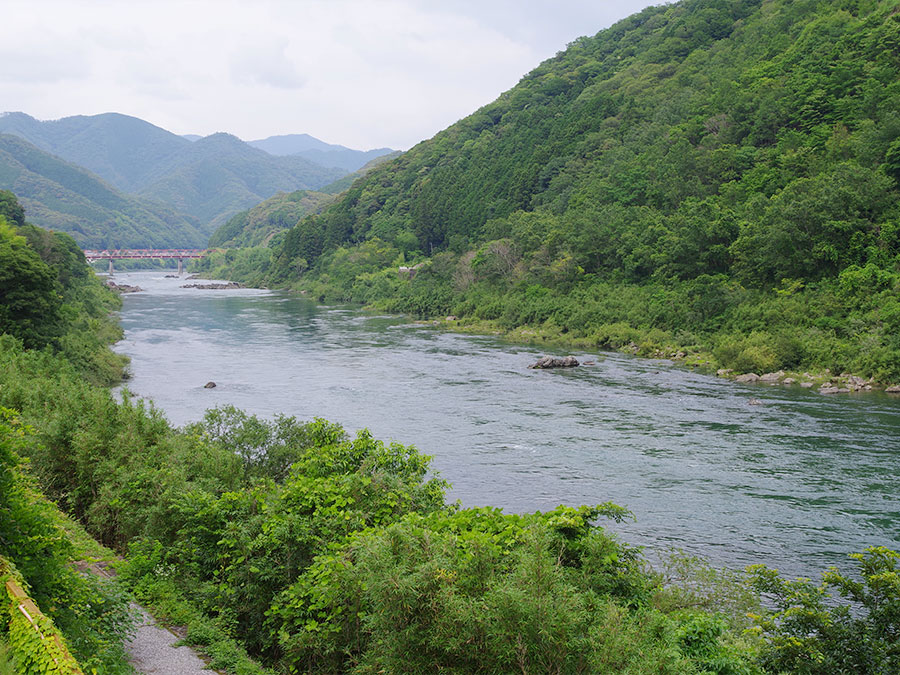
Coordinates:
(796, 480)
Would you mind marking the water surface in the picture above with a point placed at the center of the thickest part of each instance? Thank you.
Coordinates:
(797, 482)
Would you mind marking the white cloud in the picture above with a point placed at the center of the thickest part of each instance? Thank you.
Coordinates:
(356, 72)
(266, 64)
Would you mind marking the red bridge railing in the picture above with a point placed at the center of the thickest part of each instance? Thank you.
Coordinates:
(138, 253)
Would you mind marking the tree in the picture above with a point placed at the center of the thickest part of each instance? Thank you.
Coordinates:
(29, 298)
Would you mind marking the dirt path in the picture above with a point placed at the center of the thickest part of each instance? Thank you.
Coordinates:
(152, 650)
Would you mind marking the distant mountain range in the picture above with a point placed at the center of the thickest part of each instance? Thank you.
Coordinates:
(326, 154)
(61, 196)
(207, 179)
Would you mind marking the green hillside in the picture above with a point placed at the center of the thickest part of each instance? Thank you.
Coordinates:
(210, 178)
(713, 175)
(257, 226)
(62, 196)
(220, 174)
(125, 151)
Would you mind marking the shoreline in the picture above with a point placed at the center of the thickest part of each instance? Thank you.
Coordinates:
(821, 381)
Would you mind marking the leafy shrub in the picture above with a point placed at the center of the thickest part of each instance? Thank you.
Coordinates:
(811, 633)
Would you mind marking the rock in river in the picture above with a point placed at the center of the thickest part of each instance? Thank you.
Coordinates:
(123, 288)
(554, 362)
(215, 287)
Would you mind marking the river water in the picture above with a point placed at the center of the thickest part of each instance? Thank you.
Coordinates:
(796, 482)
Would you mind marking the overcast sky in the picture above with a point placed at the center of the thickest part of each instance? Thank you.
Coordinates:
(364, 74)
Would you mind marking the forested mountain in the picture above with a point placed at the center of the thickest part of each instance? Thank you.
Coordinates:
(257, 226)
(209, 178)
(220, 174)
(68, 198)
(722, 172)
(125, 151)
(326, 154)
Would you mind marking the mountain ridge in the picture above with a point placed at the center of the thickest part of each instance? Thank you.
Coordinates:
(140, 158)
(63, 196)
(320, 152)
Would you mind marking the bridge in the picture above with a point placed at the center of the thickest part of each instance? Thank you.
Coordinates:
(179, 254)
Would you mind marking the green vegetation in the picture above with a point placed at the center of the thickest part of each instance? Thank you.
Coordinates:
(811, 633)
(49, 298)
(714, 177)
(260, 224)
(92, 615)
(293, 545)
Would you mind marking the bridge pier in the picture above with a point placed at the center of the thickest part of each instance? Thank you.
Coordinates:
(111, 270)
(180, 266)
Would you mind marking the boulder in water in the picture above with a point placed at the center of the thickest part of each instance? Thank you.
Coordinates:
(554, 362)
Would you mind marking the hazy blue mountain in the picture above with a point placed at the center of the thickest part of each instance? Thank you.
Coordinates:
(208, 178)
(311, 148)
(60, 196)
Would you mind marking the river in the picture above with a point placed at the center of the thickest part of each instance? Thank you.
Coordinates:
(796, 482)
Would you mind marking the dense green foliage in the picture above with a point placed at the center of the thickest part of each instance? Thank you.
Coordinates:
(257, 226)
(93, 615)
(209, 179)
(713, 175)
(811, 634)
(34, 640)
(49, 297)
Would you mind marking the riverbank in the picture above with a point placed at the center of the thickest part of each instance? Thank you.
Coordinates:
(823, 381)
(834, 333)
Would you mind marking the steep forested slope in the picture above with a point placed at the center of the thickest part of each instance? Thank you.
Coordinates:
(256, 226)
(715, 164)
(65, 197)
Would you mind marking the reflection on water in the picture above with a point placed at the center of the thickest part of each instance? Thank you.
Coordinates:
(796, 482)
